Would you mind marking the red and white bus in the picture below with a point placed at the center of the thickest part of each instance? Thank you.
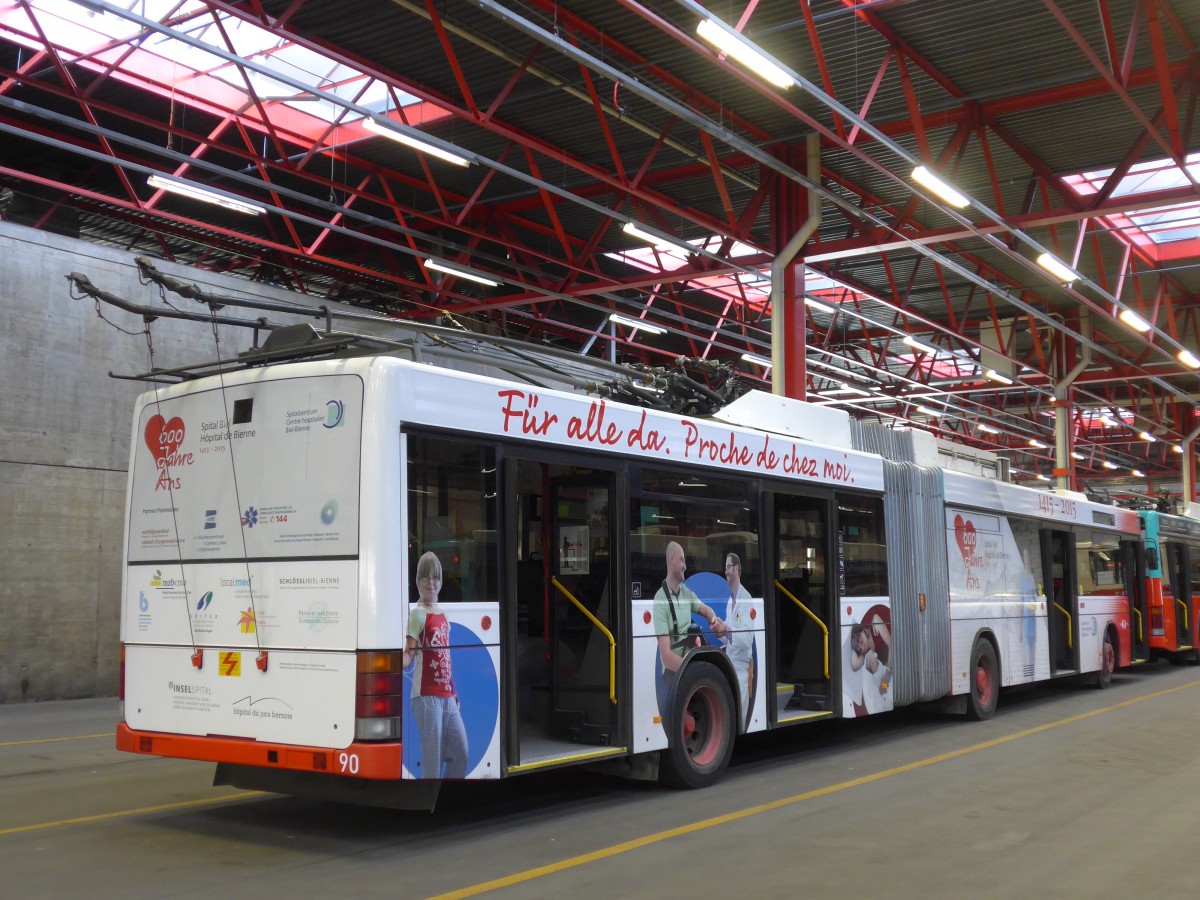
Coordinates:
(619, 586)
(1173, 585)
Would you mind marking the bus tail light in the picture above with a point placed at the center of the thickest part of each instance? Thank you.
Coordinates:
(1156, 622)
(379, 695)
(121, 684)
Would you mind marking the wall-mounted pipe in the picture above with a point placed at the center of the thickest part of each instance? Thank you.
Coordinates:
(1189, 474)
(1062, 410)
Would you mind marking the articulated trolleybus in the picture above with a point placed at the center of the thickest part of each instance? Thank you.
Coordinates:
(359, 578)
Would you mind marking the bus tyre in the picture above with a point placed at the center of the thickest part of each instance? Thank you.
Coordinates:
(700, 729)
(1108, 662)
(985, 681)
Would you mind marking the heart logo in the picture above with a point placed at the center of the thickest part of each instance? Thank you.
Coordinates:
(964, 534)
(163, 437)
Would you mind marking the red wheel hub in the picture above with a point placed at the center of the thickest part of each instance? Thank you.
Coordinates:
(983, 684)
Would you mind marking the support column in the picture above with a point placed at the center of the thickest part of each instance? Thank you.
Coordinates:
(795, 348)
(1185, 415)
(795, 216)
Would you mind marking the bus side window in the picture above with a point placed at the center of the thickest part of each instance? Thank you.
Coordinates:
(863, 543)
(452, 512)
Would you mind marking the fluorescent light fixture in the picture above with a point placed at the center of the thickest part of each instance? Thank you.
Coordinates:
(1147, 436)
(636, 324)
(1059, 270)
(1107, 464)
(927, 179)
(1178, 448)
(728, 41)
(918, 346)
(1134, 321)
(1041, 477)
(631, 229)
(1137, 473)
(818, 306)
(757, 360)
(184, 189)
(842, 373)
(449, 269)
(1108, 422)
(995, 376)
(1078, 456)
(845, 389)
(413, 142)
(1034, 442)
(936, 413)
(988, 429)
(1189, 359)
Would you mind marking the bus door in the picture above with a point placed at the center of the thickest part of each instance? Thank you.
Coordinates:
(1058, 558)
(1193, 599)
(1133, 568)
(1177, 608)
(569, 632)
(802, 601)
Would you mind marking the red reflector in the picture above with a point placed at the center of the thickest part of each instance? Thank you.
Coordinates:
(319, 761)
(385, 706)
(380, 683)
(145, 745)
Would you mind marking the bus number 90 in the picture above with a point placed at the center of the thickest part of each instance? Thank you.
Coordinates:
(348, 763)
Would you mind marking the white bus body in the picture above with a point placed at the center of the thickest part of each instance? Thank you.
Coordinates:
(273, 527)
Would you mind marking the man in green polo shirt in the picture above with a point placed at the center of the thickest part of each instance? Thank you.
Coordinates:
(674, 604)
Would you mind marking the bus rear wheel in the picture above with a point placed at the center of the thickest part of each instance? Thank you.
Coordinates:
(700, 729)
(985, 681)
(1108, 662)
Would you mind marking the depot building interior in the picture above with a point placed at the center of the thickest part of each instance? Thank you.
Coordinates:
(977, 220)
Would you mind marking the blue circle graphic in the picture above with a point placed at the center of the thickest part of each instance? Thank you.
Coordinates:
(478, 688)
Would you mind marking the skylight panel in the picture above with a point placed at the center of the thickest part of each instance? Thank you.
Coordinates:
(1157, 225)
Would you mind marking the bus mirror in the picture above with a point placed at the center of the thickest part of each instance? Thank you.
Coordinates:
(1151, 557)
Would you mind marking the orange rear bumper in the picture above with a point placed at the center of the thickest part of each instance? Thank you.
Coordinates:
(377, 761)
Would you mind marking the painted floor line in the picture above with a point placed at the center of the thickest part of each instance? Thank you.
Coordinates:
(691, 828)
(126, 813)
(76, 737)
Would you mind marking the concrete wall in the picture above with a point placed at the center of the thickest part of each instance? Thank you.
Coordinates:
(64, 443)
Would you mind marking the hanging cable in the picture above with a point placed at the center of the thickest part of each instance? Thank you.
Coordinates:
(261, 660)
(197, 652)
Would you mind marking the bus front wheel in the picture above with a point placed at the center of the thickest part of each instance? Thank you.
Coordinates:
(985, 680)
(700, 728)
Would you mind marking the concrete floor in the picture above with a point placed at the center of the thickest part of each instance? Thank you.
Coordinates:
(1067, 792)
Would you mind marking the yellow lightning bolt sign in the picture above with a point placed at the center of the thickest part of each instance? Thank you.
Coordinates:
(231, 664)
